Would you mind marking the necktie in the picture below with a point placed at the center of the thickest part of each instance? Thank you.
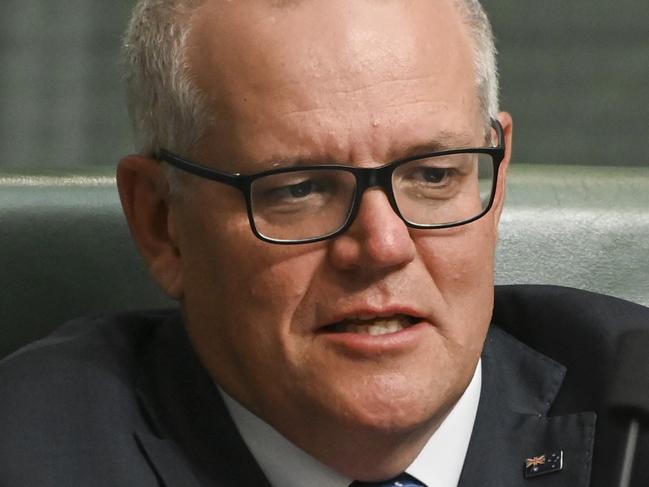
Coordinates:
(403, 480)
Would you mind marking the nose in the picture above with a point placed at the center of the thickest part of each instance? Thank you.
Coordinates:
(378, 239)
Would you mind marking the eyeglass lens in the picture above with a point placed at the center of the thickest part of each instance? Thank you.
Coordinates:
(313, 203)
(302, 204)
(444, 189)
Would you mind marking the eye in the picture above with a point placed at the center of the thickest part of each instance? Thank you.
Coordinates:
(299, 190)
(294, 188)
(430, 176)
(286, 191)
(306, 191)
(435, 175)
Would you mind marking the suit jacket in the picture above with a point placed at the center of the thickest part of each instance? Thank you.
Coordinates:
(122, 400)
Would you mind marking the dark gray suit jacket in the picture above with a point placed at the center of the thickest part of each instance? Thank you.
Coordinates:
(122, 400)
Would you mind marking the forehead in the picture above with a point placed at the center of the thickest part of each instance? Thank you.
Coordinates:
(335, 70)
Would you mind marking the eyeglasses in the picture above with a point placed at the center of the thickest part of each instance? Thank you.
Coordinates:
(305, 204)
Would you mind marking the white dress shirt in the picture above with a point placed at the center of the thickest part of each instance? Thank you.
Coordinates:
(439, 463)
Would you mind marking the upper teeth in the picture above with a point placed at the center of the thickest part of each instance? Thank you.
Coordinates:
(377, 329)
(376, 326)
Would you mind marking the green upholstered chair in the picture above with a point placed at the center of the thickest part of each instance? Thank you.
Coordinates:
(578, 226)
(65, 250)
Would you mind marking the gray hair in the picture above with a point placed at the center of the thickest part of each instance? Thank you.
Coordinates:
(168, 110)
(484, 55)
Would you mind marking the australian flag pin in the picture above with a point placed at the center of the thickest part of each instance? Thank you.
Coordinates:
(543, 464)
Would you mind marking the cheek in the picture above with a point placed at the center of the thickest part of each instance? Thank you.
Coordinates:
(461, 257)
(241, 300)
(461, 265)
(235, 280)
(243, 282)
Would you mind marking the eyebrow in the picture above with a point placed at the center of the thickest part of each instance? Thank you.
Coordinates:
(445, 140)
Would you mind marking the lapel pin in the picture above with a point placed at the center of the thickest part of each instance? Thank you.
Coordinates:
(543, 464)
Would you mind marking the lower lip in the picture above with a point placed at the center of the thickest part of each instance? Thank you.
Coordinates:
(365, 344)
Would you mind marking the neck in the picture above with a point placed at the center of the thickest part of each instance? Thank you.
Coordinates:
(350, 450)
(367, 455)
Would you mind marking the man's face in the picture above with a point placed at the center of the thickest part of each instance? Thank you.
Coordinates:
(357, 83)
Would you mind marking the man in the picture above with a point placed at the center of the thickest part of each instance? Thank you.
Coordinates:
(319, 187)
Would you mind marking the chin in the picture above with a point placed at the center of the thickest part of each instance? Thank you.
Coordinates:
(403, 422)
(393, 410)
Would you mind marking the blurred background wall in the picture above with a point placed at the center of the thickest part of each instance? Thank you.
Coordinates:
(575, 75)
(61, 96)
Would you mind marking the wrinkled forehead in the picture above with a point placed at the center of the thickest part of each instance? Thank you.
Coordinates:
(259, 42)
(330, 55)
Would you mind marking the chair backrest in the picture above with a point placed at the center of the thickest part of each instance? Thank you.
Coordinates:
(65, 250)
(579, 226)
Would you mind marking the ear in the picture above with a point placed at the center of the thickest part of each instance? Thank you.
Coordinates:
(144, 193)
(507, 124)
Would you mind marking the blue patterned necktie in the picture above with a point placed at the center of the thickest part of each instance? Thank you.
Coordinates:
(403, 480)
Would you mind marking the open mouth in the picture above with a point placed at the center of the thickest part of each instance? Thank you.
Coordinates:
(373, 325)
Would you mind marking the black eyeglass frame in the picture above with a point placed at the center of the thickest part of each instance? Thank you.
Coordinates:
(365, 178)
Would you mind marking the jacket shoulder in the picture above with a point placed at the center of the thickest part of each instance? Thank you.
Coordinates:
(576, 328)
(68, 399)
(579, 330)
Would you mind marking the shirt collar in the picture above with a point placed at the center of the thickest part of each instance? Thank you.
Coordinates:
(439, 464)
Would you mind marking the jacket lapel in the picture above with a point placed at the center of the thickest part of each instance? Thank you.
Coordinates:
(187, 434)
(165, 459)
(512, 428)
